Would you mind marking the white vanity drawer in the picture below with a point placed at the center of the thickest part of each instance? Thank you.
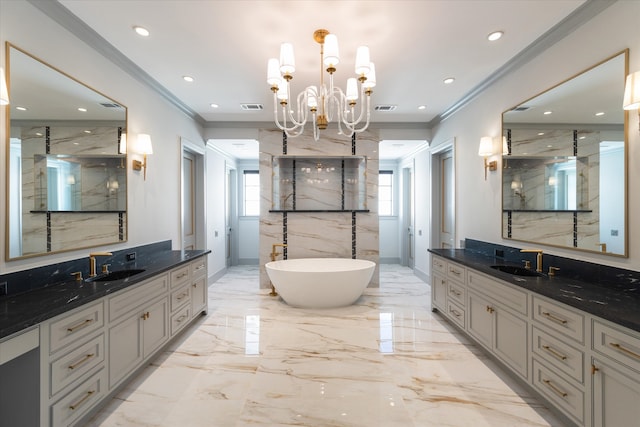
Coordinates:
(559, 318)
(508, 296)
(557, 353)
(563, 394)
(70, 327)
(439, 265)
(180, 276)
(456, 272)
(180, 297)
(198, 268)
(125, 302)
(75, 364)
(456, 313)
(456, 292)
(180, 319)
(80, 400)
(619, 345)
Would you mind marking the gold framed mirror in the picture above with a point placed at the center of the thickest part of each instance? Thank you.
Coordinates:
(564, 176)
(66, 175)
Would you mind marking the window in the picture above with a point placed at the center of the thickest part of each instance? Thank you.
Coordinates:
(385, 193)
(251, 187)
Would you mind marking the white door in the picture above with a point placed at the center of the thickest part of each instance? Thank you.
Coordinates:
(443, 209)
(408, 242)
(188, 208)
(447, 219)
(192, 196)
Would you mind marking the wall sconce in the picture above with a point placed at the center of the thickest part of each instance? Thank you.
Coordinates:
(631, 100)
(486, 150)
(4, 93)
(143, 147)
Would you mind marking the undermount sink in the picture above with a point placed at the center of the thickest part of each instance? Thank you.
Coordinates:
(115, 275)
(516, 271)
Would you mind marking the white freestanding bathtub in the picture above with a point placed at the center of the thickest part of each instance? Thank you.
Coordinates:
(320, 282)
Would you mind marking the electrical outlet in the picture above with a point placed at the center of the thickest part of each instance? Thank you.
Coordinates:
(4, 288)
(614, 232)
(499, 253)
(131, 256)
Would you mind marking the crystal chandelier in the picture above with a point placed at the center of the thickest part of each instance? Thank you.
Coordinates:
(324, 104)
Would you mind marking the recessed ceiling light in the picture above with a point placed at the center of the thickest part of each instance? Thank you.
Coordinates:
(187, 79)
(214, 105)
(546, 113)
(21, 108)
(82, 109)
(540, 133)
(141, 31)
(87, 131)
(422, 107)
(495, 36)
(449, 80)
(600, 113)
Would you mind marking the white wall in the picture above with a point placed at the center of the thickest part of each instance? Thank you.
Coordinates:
(154, 204)
(478, 205)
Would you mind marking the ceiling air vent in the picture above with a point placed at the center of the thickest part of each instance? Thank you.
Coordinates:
(385, 107)
(523, 108)
(110, 105)
(252, 107)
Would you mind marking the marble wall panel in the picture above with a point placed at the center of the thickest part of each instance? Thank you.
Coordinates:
(78, 230)
(318, 234)
(84, 140)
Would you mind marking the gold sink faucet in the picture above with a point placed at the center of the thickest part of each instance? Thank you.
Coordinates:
(538, 257)
(92, 261)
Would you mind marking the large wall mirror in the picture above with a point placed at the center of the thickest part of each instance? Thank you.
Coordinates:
(66, 176)
(564, 177)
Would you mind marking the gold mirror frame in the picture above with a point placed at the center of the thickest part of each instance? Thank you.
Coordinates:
(554, 222)
(58, 130)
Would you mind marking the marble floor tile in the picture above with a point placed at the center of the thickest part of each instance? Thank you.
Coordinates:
(386, 361)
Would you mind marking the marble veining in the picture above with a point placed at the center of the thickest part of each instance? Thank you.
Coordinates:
(386, 361)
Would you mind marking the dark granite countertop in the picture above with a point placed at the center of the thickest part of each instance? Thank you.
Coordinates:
(612, 297)
(18, 312)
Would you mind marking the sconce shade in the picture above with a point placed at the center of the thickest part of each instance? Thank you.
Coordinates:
(122, 148)
(4, 93)
(486, 146)
(631, 100)
(144, 144)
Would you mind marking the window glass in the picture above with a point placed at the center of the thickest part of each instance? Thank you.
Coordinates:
(385, 193)
(251, 190)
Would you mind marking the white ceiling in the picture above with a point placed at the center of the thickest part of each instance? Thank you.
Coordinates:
(225, 45)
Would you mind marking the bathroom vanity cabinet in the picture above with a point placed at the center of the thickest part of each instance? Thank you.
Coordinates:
(584, 366)
(88, 354)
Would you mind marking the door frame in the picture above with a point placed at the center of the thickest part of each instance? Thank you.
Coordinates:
(436, 187)
(199, 191)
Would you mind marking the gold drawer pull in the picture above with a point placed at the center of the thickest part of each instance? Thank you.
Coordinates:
(454, 292)
(454, 271)
(182, 296)
(180, 276)
(195, 285)
(181, 318)
(490, 310)
(200, 267)
(81, 361)
(81, 401)
(554, 352)
(554, 318)
(555, 389)
(455, 312)
(80, 325)
(146, 315)
(624, 350)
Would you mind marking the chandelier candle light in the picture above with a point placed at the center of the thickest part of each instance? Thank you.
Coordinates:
(323, 103)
